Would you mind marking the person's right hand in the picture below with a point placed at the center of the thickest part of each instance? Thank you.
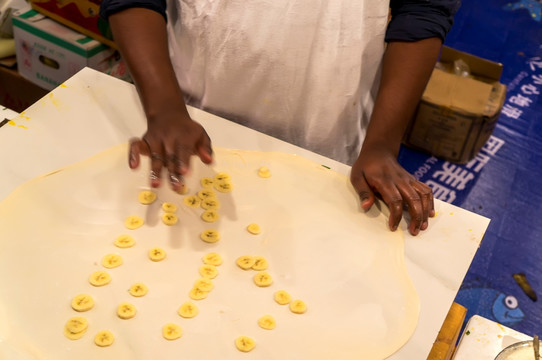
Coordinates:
(172, 137)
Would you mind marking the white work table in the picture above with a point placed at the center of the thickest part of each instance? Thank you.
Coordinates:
(484, 339)
(92, 112)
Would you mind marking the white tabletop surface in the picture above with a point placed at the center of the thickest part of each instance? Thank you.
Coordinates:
(6, 113)
(484, 339)
(92, 112)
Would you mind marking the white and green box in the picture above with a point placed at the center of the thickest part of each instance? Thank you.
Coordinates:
(49, 53)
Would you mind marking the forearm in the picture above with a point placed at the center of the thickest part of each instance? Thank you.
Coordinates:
(406, 68)
(141, 37)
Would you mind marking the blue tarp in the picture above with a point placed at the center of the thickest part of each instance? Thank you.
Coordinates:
(504, 181)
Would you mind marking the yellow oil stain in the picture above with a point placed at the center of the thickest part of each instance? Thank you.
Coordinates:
(451, 213)
(54, 100)
(63, 85)
(13, 123)
(23, 116)
(470, 229)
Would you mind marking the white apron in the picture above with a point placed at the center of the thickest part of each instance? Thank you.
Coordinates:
(304, 71)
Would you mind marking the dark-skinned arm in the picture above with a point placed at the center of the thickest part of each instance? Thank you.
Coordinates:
(172, 137)
(407, 67)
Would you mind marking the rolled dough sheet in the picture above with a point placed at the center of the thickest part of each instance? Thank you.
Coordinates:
(321, 248)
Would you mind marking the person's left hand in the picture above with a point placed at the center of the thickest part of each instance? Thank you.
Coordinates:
(376, 172)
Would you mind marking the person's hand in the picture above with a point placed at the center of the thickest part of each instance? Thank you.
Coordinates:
(171, 139)
(376, 172)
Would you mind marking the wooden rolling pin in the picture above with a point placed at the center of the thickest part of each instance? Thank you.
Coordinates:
(444, 345)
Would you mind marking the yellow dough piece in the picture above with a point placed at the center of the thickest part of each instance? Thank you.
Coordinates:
(172, 331)
(260, 263)
(210, 204)
(210, 216)
(212, 259)
(204, 284)
(76, 324)
(245, 262)
(138, 290)
(263, 279)
(72, 336)
(264, 172)
(223, 187)
(126, 311)
(133, 222)
(99, 278)
(267, 322)
(111, 261)
(157, 254)
(169, 207)
(208, 271)
(210, 235)
(82, 302)
(298, 307)
(222, 177)
(282, 297)
(206, 194)
(197, 294)
(207, 182)
(188, 310)
(124, 241)
(104, 338)
(146, 197)
(183, 190)
(170, 219)
(244, 343)
(192, 201)
(254, 229)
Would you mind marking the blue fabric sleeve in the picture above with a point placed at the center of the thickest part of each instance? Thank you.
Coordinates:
(413, 20)
(108, 7)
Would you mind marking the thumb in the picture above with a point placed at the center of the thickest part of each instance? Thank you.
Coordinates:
(366, 195)
(205, 151)
(137, 148)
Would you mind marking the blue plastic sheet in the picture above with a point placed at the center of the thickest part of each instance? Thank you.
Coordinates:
(504, 181)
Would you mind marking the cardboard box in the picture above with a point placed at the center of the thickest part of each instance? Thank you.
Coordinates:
(80, 15)
(459, 109)
(49, 53)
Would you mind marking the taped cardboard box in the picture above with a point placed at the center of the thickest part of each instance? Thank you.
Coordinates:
(49, 53)
(459, 108)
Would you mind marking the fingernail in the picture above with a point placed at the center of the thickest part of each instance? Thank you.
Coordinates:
(155, 180)
(174, 179)
(424, 226)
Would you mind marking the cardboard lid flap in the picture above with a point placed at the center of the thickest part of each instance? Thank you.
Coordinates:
(456, 92)
(478, 66)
